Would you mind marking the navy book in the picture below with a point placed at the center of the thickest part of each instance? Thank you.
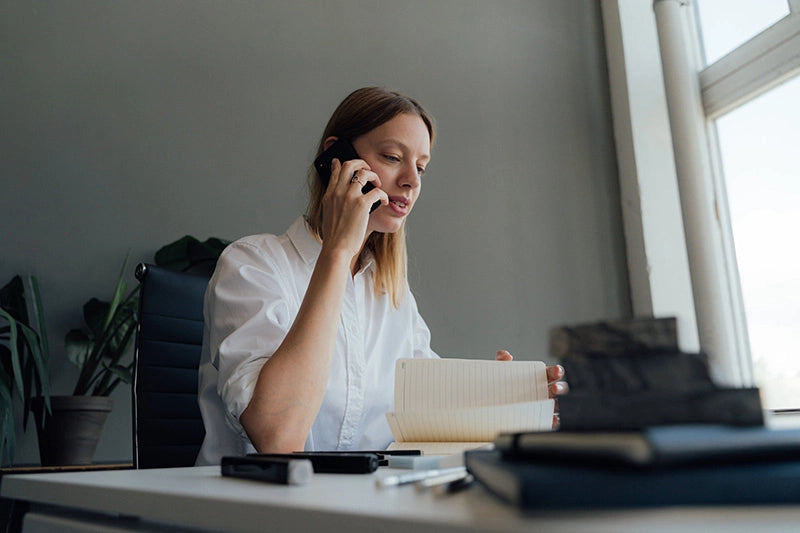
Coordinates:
(654, 446)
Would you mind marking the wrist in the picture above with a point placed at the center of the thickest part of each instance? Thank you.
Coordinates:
(335, 258)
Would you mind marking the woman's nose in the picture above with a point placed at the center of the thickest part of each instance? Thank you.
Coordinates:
(410, 176)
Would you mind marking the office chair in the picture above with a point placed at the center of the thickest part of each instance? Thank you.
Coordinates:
(167, 425)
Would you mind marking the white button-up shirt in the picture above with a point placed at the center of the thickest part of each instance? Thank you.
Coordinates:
(250, 304)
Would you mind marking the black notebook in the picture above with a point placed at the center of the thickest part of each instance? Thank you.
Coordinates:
(654, 446)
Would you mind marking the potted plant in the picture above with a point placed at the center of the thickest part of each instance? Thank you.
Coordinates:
(24, 357)
(68, 427)
(69, 433)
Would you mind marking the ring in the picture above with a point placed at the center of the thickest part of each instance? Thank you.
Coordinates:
(355, 179)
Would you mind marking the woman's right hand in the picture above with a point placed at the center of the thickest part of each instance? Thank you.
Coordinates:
(345, 211)
(292, 382)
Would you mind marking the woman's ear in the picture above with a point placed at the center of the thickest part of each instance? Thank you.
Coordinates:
(328, 142)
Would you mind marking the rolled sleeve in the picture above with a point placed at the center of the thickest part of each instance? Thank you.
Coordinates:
(250, 310)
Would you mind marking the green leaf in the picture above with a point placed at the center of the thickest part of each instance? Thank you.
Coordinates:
(120, 329)
(123, 373)
(5, 357)
(175, 256)
(24, 354)
(94, 316)
(208, 250)
(119, 293)
(111, 327)
(77, 345)
(7, 434)
(188, 252)
(38, 360)
(16, 357)
(12, 299)
(39, 315)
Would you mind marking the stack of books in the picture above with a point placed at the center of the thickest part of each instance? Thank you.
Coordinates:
(661, 465)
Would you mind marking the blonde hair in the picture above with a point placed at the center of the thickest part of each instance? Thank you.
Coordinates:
(362, 111)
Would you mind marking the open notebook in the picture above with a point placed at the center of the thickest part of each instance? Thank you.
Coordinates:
(448, 405)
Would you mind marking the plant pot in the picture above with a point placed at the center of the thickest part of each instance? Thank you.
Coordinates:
(70, 432)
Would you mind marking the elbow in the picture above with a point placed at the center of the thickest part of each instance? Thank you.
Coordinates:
(272, 436)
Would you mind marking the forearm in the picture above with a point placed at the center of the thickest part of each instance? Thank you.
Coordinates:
(291, 384)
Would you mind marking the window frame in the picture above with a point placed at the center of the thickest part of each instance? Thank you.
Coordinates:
(753, 68)
(712, 317)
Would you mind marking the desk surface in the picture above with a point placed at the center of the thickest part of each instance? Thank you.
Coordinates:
(200, 497)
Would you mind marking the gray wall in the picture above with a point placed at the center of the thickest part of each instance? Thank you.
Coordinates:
(125, 125)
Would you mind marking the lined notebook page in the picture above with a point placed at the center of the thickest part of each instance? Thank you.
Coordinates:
(441, 447)
(442, 384)
(477, 424)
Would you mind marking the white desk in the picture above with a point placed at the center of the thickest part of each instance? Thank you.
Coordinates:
(191, 499)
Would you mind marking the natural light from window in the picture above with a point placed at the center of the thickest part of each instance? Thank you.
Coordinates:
(759, 146)
(760, 157)
(725, 24)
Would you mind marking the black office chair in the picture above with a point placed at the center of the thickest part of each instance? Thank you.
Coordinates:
(167, 426)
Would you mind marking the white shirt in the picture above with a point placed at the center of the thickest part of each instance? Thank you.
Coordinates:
(250, 304)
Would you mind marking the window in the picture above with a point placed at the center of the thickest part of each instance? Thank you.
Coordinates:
(755, 120)
(726, 24)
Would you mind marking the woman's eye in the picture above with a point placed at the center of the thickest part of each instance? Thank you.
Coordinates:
(392, 158)
(421, 170)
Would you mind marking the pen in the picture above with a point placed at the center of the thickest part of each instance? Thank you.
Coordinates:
(392, 480)
(440, 481)
(453, 486)
(274, 470)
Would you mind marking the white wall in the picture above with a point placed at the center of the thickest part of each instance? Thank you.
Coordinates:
(125, 125)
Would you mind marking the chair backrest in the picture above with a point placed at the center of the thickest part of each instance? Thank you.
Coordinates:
(167, 426)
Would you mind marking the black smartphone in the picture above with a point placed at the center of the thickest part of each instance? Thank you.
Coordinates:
(342, 150)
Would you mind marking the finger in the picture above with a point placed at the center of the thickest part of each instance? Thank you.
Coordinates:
(503, 355)
(336, 167)
(354, 166)
(376, 195)
(340, 175)
(555, 373)
(557, 387)
(365, 175)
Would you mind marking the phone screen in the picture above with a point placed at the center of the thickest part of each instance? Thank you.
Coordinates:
(342, 150)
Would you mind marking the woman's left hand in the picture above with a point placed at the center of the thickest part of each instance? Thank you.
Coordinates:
(555, 383)
(555, 375)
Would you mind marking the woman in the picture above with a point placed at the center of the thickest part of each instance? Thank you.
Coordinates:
(303, 329)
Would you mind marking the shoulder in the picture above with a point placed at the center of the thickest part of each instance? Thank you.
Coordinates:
(262, 248)
(256, 245)
(251, 258)
(256, 258)
(256, 251)
(295, 244)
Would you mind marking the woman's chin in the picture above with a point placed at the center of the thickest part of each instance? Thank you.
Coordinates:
(387, 224)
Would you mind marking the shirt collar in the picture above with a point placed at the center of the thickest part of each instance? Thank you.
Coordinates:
(304, 241)
(309, 247)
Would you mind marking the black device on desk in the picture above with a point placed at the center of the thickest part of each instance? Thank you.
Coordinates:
(383, 455)
(331, 462)
(273, 470)
(342, 150)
